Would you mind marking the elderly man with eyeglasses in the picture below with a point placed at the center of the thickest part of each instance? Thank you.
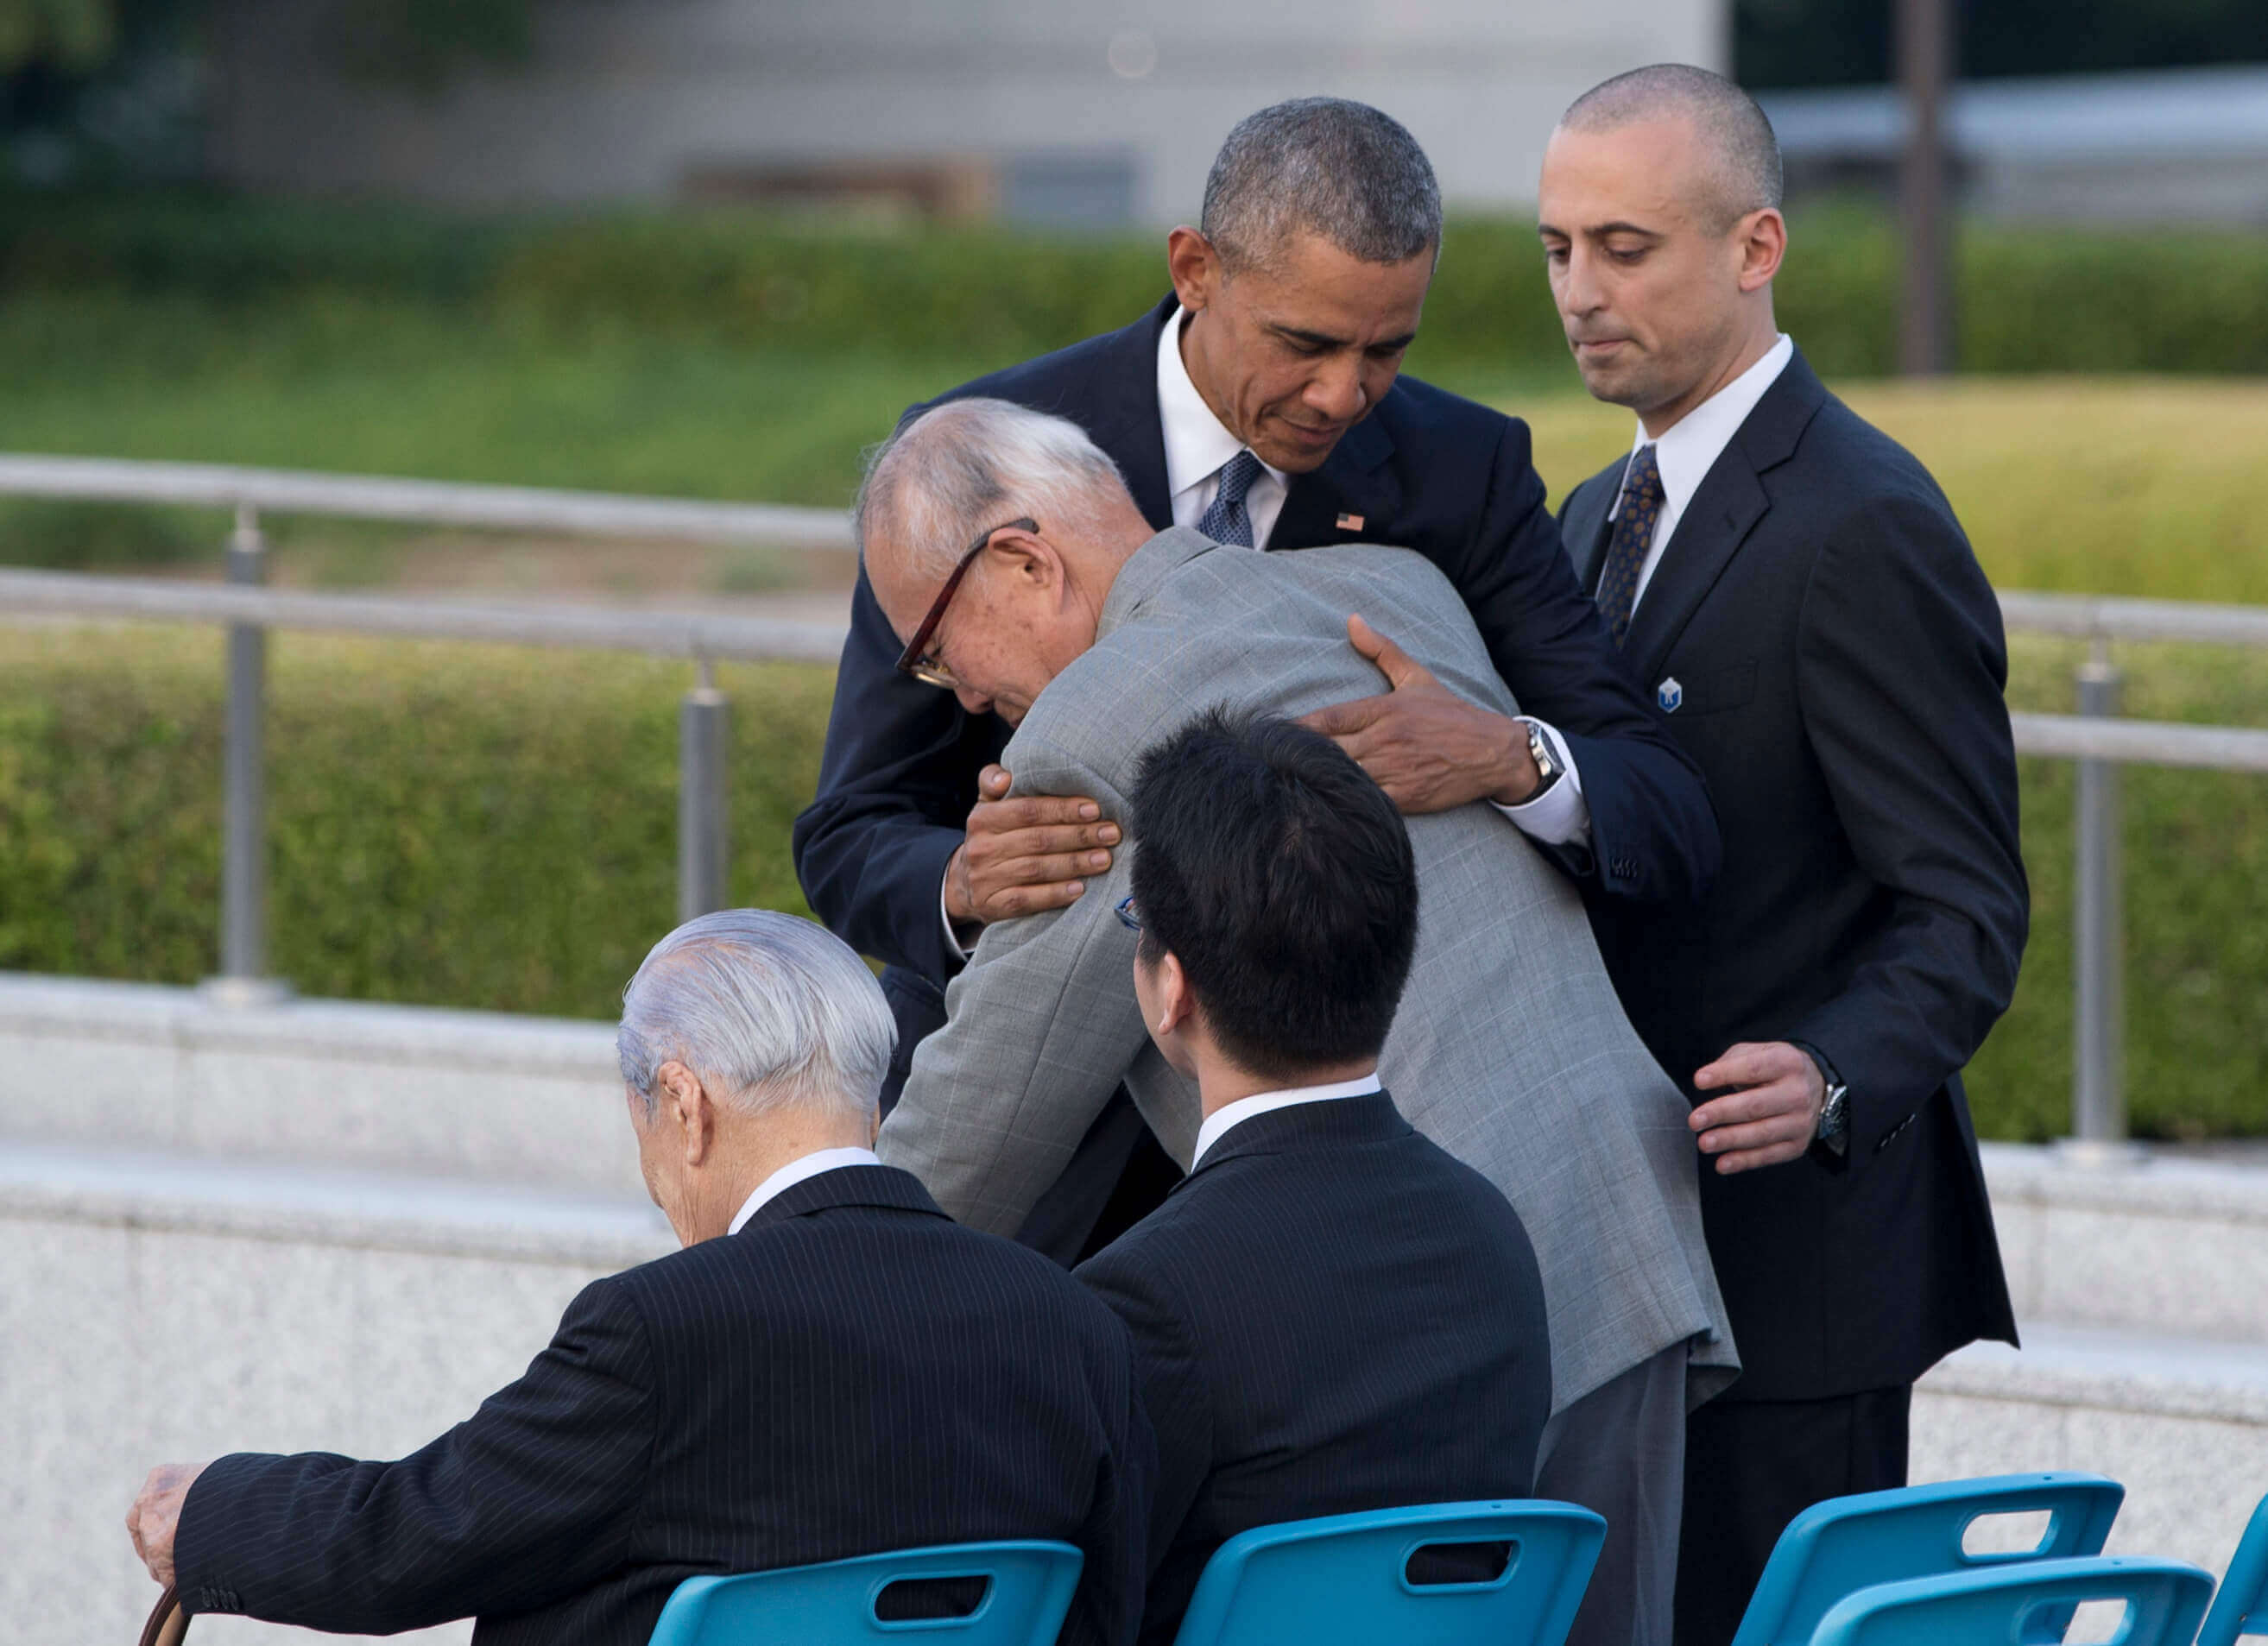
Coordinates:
(1017, 572)
(1262, 401)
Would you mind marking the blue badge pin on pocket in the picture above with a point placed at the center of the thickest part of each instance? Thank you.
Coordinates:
(1669, 694)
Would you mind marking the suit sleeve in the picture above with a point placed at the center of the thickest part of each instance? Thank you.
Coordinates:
(1172, 1390)
(1653, 834)
(528, 1502)
(895, 783)
(1040, 1029)
(1901, 669)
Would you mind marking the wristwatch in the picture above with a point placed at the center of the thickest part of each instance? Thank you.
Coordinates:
(1548, 768)
(1833, 1130)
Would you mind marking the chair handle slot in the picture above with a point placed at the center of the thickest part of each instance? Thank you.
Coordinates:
(932, 1600)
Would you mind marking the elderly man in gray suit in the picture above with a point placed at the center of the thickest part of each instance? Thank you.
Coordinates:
(1007, 554)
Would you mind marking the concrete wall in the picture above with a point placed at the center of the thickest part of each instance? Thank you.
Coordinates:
(156, 1309)
(476, 1096)
(626, 98)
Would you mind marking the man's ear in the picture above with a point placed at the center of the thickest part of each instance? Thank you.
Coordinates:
(1030, 561)
(690, 1111)
(1763, 237)
(1177, 1003)
(1194, 267)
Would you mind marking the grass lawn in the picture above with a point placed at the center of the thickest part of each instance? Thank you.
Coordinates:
(2135, 486)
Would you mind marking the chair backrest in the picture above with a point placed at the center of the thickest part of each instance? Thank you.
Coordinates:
(1011, 1594)
(2242, 1605)
(1484, 1574)
(1848, 1543)
(2165, 1599)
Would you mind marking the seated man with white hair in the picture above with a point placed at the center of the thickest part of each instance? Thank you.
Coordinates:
(831, 1367)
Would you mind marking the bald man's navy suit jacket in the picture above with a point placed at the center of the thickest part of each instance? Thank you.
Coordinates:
(1837, 661)
(1426, 471)
(851, 1374)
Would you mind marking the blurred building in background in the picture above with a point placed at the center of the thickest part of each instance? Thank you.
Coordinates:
(1040, 111)
(2164, 146)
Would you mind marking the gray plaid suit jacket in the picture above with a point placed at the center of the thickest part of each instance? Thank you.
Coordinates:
(1510, 1049)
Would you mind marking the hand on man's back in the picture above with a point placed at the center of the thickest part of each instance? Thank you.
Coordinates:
(1427, 747)
(1024, 855)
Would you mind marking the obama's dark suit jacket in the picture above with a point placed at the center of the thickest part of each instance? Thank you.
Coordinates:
(851, 1374)
(1832, 656)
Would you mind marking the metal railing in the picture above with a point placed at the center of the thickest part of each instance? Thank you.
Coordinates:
(248, 610)
(2094, 737)
(2100, 742)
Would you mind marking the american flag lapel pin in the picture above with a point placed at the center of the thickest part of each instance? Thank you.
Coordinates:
(1349, 523)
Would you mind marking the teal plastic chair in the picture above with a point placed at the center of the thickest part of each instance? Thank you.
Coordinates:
(1350, 1578)
(2242, 1605)
(1025, 1589)
(1846, 1544)
(2017, 1603)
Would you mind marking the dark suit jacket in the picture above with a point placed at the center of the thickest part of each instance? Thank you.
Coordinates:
(1426, 471)
(1329, 1314)
(1837, 659)
(851, 1374)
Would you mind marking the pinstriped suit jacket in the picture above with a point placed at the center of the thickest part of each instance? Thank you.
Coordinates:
(1510, 1048)
(1329, 1314)
(851, 1374)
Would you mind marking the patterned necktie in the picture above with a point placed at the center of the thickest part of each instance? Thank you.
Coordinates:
(1225, 520)
(1634, 522)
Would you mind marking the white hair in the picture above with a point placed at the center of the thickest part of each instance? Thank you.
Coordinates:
(769, 1011)
(963, 468)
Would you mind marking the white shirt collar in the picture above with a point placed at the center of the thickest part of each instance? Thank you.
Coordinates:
(1223, 1120)
(1196, 441)
(1689, 448)
(795, 1171)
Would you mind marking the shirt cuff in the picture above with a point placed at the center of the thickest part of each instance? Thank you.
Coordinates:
(951, 937)
(1559, 816)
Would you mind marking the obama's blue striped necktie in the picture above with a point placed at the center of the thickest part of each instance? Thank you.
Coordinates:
(1225, 520)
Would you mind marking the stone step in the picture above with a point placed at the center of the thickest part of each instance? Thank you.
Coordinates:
(481, 1096)
(2169, 1244)
(2166, 1245)
(2184, 1422)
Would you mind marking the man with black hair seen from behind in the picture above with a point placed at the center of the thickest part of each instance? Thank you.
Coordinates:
(1329, 1313)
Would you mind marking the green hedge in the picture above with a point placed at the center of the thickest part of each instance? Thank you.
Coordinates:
(473, 827)
(2031, 299)
(450, 825)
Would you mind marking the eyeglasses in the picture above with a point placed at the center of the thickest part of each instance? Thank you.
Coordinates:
(1128, 916)
(930, 671)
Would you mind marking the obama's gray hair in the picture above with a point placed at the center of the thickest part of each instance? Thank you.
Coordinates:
(962, 468)
(1738, 136)
(1327, 167)
(768, 1010)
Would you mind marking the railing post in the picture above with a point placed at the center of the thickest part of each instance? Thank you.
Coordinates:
(244, 830)
(703, 857)
(2098, 1098)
